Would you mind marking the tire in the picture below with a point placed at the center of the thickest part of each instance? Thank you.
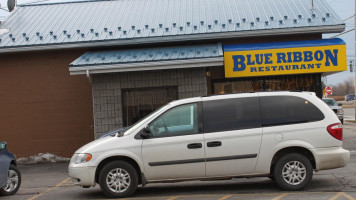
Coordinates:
(14, 182)
(123, 176)
(292, 165)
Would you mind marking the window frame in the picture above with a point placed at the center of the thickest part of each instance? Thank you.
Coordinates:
(239, 129)
(290, 122)
(200, 122)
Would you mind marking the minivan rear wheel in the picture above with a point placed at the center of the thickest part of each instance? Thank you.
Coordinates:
(293, 172)
(118, 179)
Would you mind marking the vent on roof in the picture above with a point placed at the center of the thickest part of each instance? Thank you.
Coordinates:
(11, 5)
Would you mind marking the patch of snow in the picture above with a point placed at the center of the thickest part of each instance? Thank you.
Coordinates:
(3, 31)
(42, 158)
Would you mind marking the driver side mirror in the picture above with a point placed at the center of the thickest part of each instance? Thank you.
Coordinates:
(145, 133)
(339, 104)
(3, 145)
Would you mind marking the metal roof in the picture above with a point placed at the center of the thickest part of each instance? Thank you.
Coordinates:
(148, 59)
(125, 22)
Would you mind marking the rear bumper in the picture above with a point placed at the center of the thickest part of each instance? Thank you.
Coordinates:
(330, 158)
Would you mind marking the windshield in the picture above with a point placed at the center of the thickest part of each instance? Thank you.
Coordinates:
(143, 120)
(330, 102)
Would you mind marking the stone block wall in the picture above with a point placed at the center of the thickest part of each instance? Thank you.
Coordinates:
(107, 90)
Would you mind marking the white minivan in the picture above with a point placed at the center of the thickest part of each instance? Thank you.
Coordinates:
(282, 135)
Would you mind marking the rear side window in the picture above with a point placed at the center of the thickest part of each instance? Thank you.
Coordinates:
(231, 114)
(282, 110)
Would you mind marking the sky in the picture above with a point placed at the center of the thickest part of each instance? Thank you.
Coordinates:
(344, 8)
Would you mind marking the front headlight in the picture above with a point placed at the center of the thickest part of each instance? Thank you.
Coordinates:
(83, 158)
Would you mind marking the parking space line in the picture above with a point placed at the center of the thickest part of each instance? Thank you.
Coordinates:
(336, 196)
(280, 196)
(49, 189)
(225, 197)
(348, 196)
(172, 198)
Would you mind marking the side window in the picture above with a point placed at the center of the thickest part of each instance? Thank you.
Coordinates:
(181, 120)
(282, 110)
(231, 114)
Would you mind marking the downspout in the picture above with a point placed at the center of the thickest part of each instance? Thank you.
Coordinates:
(88, 76)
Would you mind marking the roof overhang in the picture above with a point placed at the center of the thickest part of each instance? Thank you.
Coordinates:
(143, 66)
(180, 38)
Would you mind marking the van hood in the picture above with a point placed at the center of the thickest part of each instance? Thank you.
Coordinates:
(103, 143)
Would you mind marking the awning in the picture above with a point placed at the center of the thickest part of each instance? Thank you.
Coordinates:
(148, 59)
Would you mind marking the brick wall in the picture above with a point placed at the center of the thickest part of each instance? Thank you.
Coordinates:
(107, 91)
(42, 108)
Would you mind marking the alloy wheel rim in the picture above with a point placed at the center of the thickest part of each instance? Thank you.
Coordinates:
(118, 180)
(294, 172)
(12, 181)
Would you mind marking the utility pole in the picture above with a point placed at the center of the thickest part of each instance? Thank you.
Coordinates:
(355, 67)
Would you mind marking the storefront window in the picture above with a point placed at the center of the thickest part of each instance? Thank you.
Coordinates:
(304, 82)
(137, 103)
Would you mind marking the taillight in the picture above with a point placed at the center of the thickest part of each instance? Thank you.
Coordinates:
(335, 130)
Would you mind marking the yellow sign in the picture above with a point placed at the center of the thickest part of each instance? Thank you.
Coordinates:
(300, 57)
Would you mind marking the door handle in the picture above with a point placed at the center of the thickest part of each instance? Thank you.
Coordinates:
(194, 146)
(214, 144)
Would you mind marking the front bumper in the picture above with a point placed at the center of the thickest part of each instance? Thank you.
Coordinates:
(82, 176)
(331, 158)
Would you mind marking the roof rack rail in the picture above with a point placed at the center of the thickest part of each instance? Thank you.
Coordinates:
(227, 94)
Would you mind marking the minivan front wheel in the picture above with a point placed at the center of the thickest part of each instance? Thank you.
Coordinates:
(118, 179)
(293, 172)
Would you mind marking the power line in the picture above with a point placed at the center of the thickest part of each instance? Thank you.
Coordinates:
(349, 17)
(342, 33)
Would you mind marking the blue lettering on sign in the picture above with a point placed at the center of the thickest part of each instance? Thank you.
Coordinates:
(331, 57)
(297, 56)
(259, 59)
(239, 63)
(280, 57)
(318, 55)
(310, 66)
(249, 62)
(308, 56)
(268, 58)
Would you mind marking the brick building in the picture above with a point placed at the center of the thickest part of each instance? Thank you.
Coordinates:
(129, 57)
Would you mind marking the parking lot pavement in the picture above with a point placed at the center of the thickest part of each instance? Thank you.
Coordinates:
(51, 181)
(349, 113)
